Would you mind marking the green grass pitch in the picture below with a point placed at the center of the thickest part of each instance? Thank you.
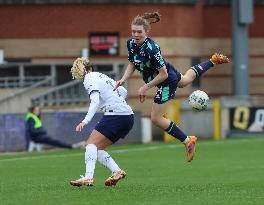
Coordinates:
(225, 172)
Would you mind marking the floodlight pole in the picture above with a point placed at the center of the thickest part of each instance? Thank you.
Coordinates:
(242, 15)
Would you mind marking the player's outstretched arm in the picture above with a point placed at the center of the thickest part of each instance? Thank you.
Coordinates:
(91, 111)
(157, 80)
(129, 71)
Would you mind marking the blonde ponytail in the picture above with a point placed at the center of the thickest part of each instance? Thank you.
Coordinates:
(79, 68)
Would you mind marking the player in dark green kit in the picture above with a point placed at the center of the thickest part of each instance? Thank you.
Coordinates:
(147, 59)
(145, 56)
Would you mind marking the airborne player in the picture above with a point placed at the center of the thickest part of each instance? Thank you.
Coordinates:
(145, 56)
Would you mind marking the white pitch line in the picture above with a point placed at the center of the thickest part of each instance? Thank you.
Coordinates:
(127, 150)
(80, 154)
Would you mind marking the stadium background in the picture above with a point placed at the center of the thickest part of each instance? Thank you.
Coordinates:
(42, 38)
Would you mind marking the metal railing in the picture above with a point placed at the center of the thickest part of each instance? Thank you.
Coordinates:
(73, 92)
(69, 93)
(15, 81)
(19, 75)
(41, 83)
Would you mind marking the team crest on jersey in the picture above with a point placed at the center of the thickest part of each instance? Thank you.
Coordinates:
(142, 53)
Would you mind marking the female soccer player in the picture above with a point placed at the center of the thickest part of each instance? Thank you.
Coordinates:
(117, 121)
(145, 56)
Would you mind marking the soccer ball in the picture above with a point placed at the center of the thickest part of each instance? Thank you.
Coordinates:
(198, 100)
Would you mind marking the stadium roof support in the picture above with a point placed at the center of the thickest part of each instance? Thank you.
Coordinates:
(242, 15)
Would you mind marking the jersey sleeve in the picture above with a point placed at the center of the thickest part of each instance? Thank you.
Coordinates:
(91, 85)
(122, 91)
(130, 51)
(93, 107)
(156, 58)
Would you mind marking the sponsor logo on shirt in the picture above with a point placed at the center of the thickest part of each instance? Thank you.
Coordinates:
(142, 53)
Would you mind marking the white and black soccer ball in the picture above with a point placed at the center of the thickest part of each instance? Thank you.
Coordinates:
(198, 100)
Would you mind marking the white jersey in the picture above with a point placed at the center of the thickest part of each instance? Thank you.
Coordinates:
(111, 102)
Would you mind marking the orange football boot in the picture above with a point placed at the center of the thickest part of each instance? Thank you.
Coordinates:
(219, 58)
(112, 180)
(190, 148)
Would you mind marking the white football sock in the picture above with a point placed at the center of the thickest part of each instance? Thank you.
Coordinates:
(186, 140)
(106, 160)
(90, 160)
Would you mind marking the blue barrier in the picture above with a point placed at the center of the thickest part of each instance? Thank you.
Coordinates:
(60, 125)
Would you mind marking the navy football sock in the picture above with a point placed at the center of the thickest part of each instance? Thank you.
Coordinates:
(199, 69)
(174, 131)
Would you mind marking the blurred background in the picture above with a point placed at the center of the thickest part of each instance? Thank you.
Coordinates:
(40, 39)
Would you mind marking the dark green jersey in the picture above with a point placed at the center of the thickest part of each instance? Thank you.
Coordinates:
(147, 59)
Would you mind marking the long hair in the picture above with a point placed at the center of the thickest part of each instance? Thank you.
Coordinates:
(80, 68)
(146, 19)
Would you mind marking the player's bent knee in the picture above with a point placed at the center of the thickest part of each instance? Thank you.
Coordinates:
(186, 80)
(183, 83)
(104, 143)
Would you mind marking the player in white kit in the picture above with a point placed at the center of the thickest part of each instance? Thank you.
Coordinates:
(116, 123)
